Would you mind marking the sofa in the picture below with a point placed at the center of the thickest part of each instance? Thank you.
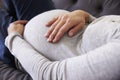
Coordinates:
(96, 8)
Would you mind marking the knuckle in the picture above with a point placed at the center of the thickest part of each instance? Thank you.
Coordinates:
(53, 25)
(56, 30)
(65, 16)
(69, 20)
(59, 35)
(49, 32)
(53, 34)
(51, 29)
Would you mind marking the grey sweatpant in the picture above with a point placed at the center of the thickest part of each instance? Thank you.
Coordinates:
(94, 55)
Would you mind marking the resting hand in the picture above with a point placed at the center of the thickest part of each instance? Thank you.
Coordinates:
(71, 23)
(17, 26)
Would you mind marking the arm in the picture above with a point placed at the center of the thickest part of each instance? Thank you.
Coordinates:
(99, 64)
(10, 73)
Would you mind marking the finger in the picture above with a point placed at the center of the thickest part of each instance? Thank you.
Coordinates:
(51, 21)
(75, 30)
(20, 22)
(51, 29)
(62, 31)
(56, 29)
(47, 34)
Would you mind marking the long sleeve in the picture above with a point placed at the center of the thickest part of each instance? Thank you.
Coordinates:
(99, 64)
(91, 18)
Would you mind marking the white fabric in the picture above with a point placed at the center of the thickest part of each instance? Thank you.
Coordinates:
(35, 31)
(99, 46)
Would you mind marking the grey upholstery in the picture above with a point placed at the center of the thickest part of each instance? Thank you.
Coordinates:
(95, 7)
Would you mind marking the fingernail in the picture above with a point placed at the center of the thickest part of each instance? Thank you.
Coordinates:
(49, 40)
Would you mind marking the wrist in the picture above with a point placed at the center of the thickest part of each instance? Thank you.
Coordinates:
(82, 13)
(14, 32)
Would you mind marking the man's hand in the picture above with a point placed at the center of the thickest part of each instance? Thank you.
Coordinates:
(69, 23)
(17, 26)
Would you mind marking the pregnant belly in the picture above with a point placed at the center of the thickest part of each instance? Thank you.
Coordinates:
(34, 34)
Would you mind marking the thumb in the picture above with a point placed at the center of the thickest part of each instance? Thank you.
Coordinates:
(75, 30)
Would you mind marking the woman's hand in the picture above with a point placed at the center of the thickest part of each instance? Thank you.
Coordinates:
(17, 26)
(70, 23)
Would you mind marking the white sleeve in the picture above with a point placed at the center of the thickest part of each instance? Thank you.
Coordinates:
(91, 18)
(100, 64)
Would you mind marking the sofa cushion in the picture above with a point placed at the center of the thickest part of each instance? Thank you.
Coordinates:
(95, 7)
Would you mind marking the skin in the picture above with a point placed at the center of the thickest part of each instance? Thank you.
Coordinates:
(69, 23)
(17, 26)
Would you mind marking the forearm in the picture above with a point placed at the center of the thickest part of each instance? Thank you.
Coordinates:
(37, 65)
(100, 64)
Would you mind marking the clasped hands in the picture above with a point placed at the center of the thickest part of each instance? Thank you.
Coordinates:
(69, 23)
